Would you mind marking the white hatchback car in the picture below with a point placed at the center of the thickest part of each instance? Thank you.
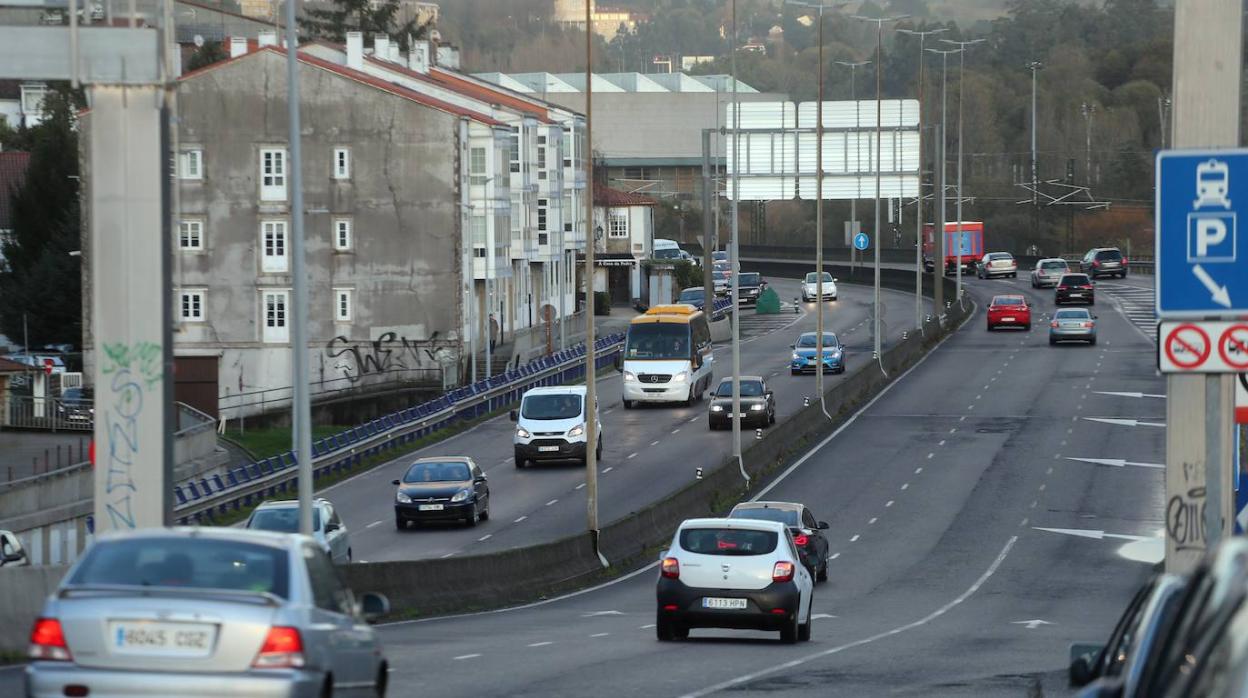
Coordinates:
(328, 528)
(745, 574)
(810, 287)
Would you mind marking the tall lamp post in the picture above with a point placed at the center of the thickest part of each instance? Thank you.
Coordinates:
(918, 201)
(944, 120)
(1035, 203)
(735, 253)
(879, 51)
(591, 392)
(962, 46)
(853, 202)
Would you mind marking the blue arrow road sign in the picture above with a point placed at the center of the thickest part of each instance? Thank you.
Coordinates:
(1202, 267)
(861, 241)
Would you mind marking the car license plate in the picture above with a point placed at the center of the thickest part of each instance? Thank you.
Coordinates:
(547, 449)
(162, 638)
(1007, 319)
(431, 507)
(1076, 295)
(712, 602)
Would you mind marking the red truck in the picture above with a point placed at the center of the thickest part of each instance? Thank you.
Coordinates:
(971, 246)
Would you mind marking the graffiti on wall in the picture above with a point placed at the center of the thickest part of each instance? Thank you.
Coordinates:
(134, 373)
(388, 353)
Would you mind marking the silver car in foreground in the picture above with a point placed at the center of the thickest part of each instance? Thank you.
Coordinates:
(1072, 325)
(205, 612)
(1048, 272)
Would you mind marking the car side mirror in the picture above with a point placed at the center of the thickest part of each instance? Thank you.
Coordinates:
(769, 394)
(394, 482)
(1082, 657)
(480, 480)
(331, 527)
(514, 415)
(11, 550)
(371, 606)
(792, 346)
(823, 526)
(662, 554)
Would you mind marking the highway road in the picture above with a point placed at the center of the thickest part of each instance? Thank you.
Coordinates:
(650, 451)
(997, 503)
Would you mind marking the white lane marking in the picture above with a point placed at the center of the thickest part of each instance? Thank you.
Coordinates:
(905, 486)
(834, 556)
(854, 539)
(577, 487)
(466, 656)
(954, 429)
(654, 443)
(1042, 487)
(889, 503)
(551, 502)
(961, 419)
(448, 555)
(522, 518)
(746, 678)
(676, 430)
(541, 644)
(1024, 521)
(646, 627)
(917, 471)
(930, 456)
(691, 421)
(1125, 422)
(608, 469)
(632, 456)
(484, 538)
(1117, 462)
(600, 634)
(942, 443)
(873, 520)
(978, 396)
(375, 523)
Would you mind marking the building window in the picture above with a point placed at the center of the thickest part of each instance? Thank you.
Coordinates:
(513, 156)
(191, 235)
(191, 164)
(342, 234)
(567, 148)
(569, 214)
(32, 98)
(273, 306)
(342, 163)
(478, 252)
(273, 247)
(342, 305)
(541, 157)
(617, 222)
(476, 166)
(543, 238)
(191, 306)
(515, 218)
(541, 214)
(272, 175)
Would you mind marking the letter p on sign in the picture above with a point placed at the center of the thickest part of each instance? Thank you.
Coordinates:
(1211, 237)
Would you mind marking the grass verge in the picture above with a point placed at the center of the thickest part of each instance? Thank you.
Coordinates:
(272, 441)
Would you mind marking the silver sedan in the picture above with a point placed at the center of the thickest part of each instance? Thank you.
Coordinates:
(1048, 272)
(1072, 325)
(205, 612)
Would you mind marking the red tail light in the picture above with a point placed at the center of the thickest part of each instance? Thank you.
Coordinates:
(1124, 261)
(1086, 287)
(47, 641)
(1096, 262)
(671, 568)
(282, 649)
(801, 540)
(1053, 324)
(782, 572)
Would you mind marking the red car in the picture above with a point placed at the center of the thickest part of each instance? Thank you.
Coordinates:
(1009, 310)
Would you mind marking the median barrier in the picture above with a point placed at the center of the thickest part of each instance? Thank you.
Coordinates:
(510, 577)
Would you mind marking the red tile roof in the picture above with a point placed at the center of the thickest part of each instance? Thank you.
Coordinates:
(13, 166)
(7, 366)
(606, 196)
(489, 94)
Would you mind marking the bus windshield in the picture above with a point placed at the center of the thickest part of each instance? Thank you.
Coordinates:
(657, 340)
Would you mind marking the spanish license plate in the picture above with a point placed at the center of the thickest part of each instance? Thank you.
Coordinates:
(547, 449)
(713, 602)
(161, 638)
(1007, 319)
(431, 507)
(1076, 295)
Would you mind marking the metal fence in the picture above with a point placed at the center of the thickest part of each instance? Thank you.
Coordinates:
(50, 413)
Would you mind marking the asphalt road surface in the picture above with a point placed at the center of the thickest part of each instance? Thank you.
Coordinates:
(971, 544)
(649, 452)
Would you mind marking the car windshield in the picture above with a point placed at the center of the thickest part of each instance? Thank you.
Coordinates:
(192, 562)
(658, 340)
(1072, 314)
(813, 277)
(1054, 264)
(281, 519)
(788, 517)
(72, 395)
(748, 389)
(719, 256)
(564, 406)
(437, 472)
(693, 294)
(728, 541)
(999, 256)
(1007, 300)
(668, 253)
(809, 340)
(748, 279)
(1075, 280)
(721, 266)
(1109, 255)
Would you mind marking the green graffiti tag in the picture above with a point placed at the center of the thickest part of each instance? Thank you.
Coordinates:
(142, 358)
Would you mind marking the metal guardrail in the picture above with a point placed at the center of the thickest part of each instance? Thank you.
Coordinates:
(200, 501)
(51, 413)
(1139, 265)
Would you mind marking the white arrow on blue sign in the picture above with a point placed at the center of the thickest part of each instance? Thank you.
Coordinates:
(861, 241)
(1202, 270)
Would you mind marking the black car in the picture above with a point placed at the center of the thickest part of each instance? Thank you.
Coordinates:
(694, 295)
(76, 405)
(441, 488)
(807, 531)
(749, 285)
(1104, 261)
(1075, 288)
(758, 404)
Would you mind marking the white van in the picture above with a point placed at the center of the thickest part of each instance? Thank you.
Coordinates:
(668, 249)
(551, 425)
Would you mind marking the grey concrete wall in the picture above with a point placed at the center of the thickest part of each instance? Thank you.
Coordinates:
(22, 593)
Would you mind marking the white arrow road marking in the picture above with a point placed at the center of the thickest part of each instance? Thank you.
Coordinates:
(1117, 462)
(817, 616)
(1218, 293)
(595, 614)
(1088, 533)
(1031, 624)
(1135, 395)
(1125, 422)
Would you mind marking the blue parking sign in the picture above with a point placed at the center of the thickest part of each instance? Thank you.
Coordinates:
(1202, 270)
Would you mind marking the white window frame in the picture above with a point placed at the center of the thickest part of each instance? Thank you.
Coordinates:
(342, 163)
(275, 330)
(191, 164)
(541, 157)
(343, 234)
(617, 216)
(477, 165)
(542, 214)
(273, 174)
(567, 148)
(274, 246)
(513, 154)
(191, 304)
(191, 235)
(344, 304)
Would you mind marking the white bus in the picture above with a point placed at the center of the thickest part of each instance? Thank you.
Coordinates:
(667, 356)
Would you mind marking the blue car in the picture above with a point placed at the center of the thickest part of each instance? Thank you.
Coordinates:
(804, 354)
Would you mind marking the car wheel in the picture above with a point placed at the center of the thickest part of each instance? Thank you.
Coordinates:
(803, 632)
(485, 514)
(771, 418)
(472, 518)
(795, 372)
(348, 555)
(841, 369)
(1052, 342)
(521, 461)
(400, 524)
(1027, 327)
(598, 450)
(628, 404)
(665, 630)
(711, 425)
(833, 297)
(379, 685)
(823, 572)
(788, 634)
(1092, 341)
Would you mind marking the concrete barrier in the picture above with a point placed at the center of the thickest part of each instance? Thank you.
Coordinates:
(22, 593)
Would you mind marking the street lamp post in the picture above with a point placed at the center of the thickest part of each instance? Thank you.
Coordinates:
(1035, 203)
(944, 120)
(879, 51)
(591, 392)
(1088, 109)
(918, 201)
(735, 254)
(962, 46)
(853, 202)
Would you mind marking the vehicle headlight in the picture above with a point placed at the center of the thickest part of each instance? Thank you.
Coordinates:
(717, 408)
(461, 495)
(796, 356)
(629, 377)
(522, 433)
(835, 353)
(577, 430)
(402, 498)
(680, 377)
(757, 407)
